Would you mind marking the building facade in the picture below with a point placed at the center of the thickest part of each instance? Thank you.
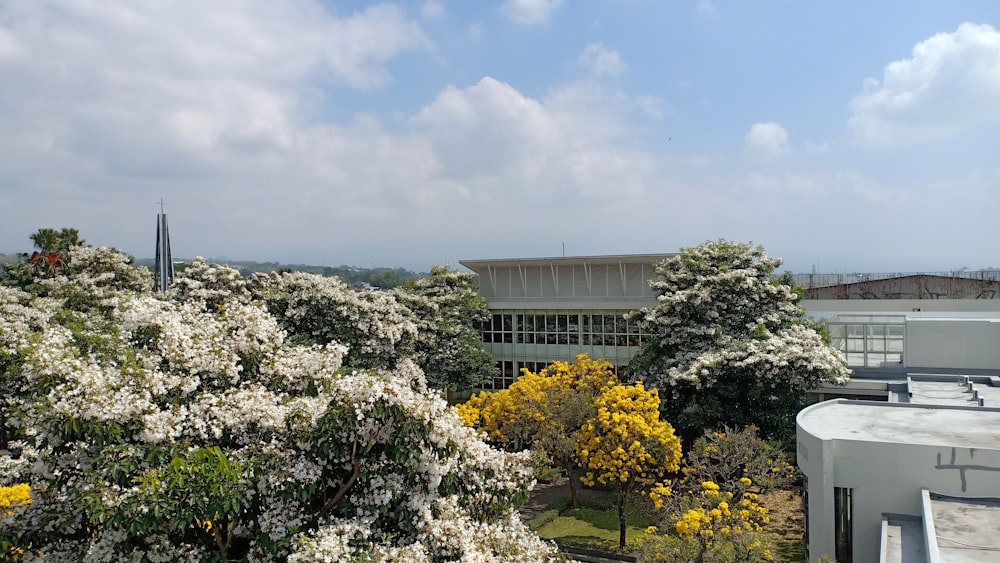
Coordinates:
(548, 309)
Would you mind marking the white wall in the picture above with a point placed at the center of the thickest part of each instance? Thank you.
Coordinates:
(952, 343)
(822, 308)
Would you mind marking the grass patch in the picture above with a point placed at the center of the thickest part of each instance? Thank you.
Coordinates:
(590, 527)
(543, 518)
(787, 523)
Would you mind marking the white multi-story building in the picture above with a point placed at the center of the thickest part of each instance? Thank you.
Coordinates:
(548, 309)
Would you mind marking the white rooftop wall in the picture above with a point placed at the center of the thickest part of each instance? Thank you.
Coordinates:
(953, 343)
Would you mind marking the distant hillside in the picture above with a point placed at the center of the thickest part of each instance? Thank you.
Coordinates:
(379, 277)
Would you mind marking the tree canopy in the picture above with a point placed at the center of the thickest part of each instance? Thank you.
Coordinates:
(194, 426)
(51, 240)
(544, 411)
(627, 446)
(449, 344)
(728, 344)
(48, 259)
(580, 415)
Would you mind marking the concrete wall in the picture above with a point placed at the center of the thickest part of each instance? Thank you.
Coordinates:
(952, 343)
(567, 281)
(822, 308)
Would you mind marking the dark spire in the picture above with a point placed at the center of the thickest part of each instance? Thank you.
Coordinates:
(164, 271)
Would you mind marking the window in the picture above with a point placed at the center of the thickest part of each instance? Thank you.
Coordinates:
(843, 525)
(610, 330)
(499, 329)
(504, 377)
(877, 342)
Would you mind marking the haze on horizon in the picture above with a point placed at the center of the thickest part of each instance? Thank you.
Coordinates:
(845, 136)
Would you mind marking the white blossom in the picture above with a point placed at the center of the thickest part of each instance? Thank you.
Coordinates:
(161, 428)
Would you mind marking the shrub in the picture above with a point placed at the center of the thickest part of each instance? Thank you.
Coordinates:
(728, 455)
(710, 524)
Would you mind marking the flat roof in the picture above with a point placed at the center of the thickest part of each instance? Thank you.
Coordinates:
(966, 528)
(903, 423)
(568, 260)
(903, 539)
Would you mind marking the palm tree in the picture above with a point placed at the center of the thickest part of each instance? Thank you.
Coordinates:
(52, 245)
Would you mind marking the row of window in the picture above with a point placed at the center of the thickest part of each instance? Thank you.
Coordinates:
(869, 345)
(562, 328)
(508, 371)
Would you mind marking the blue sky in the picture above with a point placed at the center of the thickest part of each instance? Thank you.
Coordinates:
(845, 136)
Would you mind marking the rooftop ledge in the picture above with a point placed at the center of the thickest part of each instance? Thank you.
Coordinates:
(903, 423)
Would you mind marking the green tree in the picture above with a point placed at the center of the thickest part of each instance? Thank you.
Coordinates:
(48, 259)
(449, 345)
(162, 426)
(627, 446)
(51, 240)
(729, 345)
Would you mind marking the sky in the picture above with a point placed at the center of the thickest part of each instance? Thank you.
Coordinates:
(843, 136)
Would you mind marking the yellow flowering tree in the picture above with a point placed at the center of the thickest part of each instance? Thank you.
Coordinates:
(627, 446)
(544, 411)
(10, 498)
(13, 496)
(712, 525)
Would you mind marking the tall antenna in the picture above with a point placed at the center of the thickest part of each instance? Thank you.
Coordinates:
(163, 273)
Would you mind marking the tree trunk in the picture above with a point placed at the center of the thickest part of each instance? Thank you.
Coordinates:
(621, 519)
(573, 495)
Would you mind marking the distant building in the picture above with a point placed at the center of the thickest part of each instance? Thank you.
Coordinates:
(945, 285)
(163, 269)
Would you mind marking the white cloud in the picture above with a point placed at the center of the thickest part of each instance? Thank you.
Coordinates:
(848, 186)
(530, 12)
(819, 147)
(651, 106)
(767, 139)
(475, 31)
(601, 61)
(951, 82)
(108, 105)
(497, 143)
(432, 9)
(705, 7)
(228, 120)
(781, 184)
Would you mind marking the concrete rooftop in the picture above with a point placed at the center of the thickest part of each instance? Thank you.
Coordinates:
(903, 539)
(904, 423)
(966, 529)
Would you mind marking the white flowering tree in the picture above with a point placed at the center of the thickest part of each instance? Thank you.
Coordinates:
(377, 329)
(729, 344)
(212, 284)
(449, 346)
(158, 429)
